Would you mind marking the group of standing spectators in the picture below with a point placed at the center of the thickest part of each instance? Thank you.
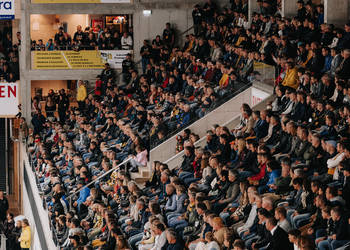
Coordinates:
(18, 234)
(88, 39)
(279, 180)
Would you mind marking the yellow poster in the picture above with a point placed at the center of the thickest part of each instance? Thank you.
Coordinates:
(80, 1)
(85, 59)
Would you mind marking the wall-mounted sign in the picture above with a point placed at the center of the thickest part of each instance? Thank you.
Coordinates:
(81, 1)
(9, 99)
(7, 9)
(84, 59)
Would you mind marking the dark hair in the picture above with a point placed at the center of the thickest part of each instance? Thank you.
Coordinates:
(272, 220)
(298, 181)
(155, 207)
(202, 206)
(282, 211)
(295, 232)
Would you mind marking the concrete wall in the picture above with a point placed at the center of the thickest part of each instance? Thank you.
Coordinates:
(151, 26)
(46, 26)
(47, 85)
(336, 12)
(221, 115)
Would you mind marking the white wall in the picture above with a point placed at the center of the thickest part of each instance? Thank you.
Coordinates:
(32, 222)
(151, 26)
(28, 210)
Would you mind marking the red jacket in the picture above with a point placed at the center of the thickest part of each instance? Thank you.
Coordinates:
(259, 176)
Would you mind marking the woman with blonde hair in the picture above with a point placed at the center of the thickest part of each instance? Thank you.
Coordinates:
(81, 95)
(26, 237)
(219, 230)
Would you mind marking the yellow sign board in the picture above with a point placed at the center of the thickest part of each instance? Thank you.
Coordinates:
(85, 59)
(80, 1)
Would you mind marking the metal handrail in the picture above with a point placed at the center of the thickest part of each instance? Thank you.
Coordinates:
(98, 178)
(187, 30)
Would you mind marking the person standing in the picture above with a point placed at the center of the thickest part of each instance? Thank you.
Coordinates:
(63, 105)
(197, 15)
(26, 237)
(145, 52)
(4, 206)
(81, 95)
(11, 233)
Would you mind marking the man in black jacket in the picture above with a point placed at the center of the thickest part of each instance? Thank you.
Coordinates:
(4, 206)
(279, 239)
(346, 186)
(344, 68)
(340, 234)
(186, 170)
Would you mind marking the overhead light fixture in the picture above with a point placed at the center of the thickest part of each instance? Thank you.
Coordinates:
(147, 12)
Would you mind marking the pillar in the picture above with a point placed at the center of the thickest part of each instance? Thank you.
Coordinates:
(253, 6)
(25, 62)
(336, 12)
(289, 8)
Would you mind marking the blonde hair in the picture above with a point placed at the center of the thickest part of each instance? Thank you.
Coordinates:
(218, 221)
(240, 145)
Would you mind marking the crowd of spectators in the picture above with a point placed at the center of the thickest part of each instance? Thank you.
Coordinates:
(279, 180)
(87, 39)
(9, 63)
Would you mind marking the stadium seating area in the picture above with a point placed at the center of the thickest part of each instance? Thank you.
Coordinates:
(279, 180)
(9, 64)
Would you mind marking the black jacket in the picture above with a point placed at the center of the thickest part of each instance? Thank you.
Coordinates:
(4, 206)
(341, 229)
(346, 192)
(187, 163)
(279, 240)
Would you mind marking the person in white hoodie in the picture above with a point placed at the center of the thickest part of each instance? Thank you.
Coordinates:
(333, 163)
(160, 233)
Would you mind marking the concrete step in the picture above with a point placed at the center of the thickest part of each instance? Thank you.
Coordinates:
(141, 181)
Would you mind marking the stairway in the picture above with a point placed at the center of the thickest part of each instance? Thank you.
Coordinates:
(142, 176)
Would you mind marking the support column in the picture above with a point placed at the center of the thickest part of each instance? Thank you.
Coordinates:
(253, 6)
(336, 12)
(25, 61)
(25, 98)
(289, 8)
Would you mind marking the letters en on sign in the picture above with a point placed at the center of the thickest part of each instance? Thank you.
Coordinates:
(9, 99)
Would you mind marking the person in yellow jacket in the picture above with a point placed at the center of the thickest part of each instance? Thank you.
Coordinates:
(291, 79)
(26, 236)
(81, 95)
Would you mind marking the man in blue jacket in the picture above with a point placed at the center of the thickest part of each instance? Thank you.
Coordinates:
(83, 194)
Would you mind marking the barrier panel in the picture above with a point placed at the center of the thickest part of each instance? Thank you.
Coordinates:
(33, 209)
(83, 59)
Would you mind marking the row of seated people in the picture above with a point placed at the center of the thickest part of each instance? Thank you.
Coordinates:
(289, 162)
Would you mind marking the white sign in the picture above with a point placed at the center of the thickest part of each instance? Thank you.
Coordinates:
(258, 96)
(7, 9)
(115, 57)
(115, 1)
(9, 99)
